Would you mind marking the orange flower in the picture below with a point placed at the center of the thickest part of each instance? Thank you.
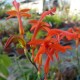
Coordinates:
(42, 26)
(60, 34)
(45, 13)
(39, 22)
(39, 62)
(76, 30)
(46, 67)
(50, 47)
(19, 13)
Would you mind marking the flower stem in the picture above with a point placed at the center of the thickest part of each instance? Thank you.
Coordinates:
(27, 56)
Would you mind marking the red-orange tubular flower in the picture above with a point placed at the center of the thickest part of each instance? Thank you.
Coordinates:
(42, 26)
(50, 47)
(37, 26)
(45, 13)
(60, 34)
(19, 13)
(75, 30)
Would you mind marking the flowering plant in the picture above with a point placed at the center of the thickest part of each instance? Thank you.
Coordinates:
(49, 45)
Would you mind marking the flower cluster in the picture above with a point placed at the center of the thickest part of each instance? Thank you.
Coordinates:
(50, 45)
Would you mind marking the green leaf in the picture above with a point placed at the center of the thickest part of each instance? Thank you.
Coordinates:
(2, 78)
(5, 59)
(3, 69)
(4, 64)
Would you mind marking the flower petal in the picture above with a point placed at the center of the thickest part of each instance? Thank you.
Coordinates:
(45, 24)
(25, 15)
(46, 29)
(33, 22)
(12, 12)
(36, 42)
(47, 13)
(53, 32)
(24, 10)
(40, 51)
(46, 66)
(33, 27)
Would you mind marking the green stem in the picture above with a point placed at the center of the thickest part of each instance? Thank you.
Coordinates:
(27, 56)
